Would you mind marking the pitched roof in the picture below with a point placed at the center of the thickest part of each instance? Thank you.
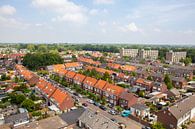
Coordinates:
(182, 107)
(72, 64)
(41, 84)
(49, 89)
(70, 74)
(97, 121)
(89, 61)
(114, 66)
(127, 96)
(79, 77)
(62, 99)
(75, 114)
(100, 70)
(100, 84)
(128, 68)
(144, 82)
(90, 81)
(140, 106)
(113, 89)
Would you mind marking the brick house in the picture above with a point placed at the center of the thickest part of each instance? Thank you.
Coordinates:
(157, 77)
(177, 115)
(179, 82)
(62, 100)
(98, 88)
(112, 93)
(89, 83)
(160, 87)
(69, 76)
(144, 83)
(127, 99)
(78, 79)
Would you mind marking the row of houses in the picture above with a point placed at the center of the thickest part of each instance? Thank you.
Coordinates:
(54, 94)
(88, 61)
(114, 94)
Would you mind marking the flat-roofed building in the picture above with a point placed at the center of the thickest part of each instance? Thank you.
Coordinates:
(149, 54)
(129, 52)
(175, 57)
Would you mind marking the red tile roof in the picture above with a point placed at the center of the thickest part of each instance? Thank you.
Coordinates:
(70, 74)
(114, 66)
(49, 89)
(89, 61)
(100, 84)
(128, 68)
(41, 84)
(100, 70)
(72, 64)
(113, 89)
(62, 99)
(90, 81)
(79, 77)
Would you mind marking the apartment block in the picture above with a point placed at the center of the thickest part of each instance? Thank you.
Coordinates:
(175, 57)
(150, 54)
(129, 52)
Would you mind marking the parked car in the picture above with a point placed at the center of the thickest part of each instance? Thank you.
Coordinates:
(110, 105)
(103, 107)
(113, 112)
(97, 104)
(90, 101)
(146, 127)
(84, 104)
(80, 96)
(126, 113)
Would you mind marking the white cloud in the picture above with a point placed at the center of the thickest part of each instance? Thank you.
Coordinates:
(130, 27)
(104, 1)
(93, 11)
(65, 10)
(102, 23)
(7, 10)
(8, 19)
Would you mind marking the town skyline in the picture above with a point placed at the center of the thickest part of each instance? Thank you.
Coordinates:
(98, 21)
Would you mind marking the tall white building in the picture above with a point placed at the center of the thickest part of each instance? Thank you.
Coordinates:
(148, 54)
(128, 52)
(175, 57)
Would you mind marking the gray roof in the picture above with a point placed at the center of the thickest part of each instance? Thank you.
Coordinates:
(96, 120)
(178, 79)
(182, 107)
(13, 118)
(175, 91)
(75, 114)
(140, 107)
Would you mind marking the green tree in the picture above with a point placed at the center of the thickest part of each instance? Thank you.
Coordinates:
(149, 78)
(28, 104)
(31, 47)
(141, 93)
(34, 61)
(186, 61)
(42, 48)
(158, 126)
(168, 81)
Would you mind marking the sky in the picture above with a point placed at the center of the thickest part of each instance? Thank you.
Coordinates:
(98, 21)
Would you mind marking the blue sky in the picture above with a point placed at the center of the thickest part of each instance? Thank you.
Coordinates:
(98, 21)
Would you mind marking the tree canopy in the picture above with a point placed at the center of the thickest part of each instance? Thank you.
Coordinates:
(34, 61)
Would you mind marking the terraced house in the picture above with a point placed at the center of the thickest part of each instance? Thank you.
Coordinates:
(178, 114)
